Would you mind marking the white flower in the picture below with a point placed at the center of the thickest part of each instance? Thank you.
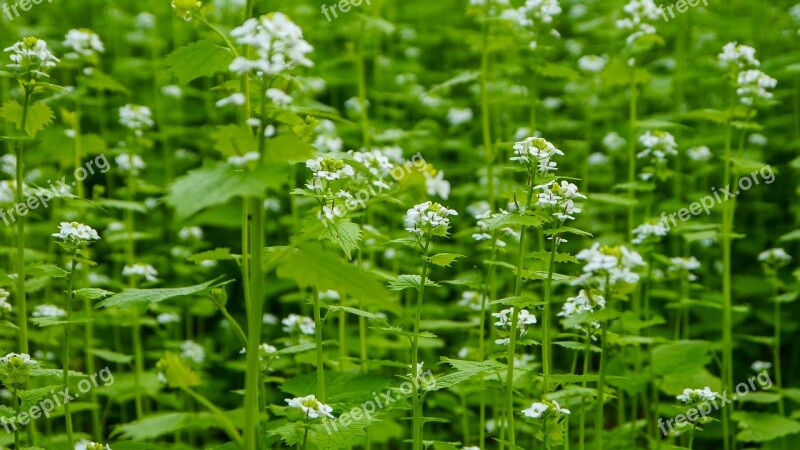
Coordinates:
(8, 164)
(471, 300)
(269, 319)
(649, 231)
(536, 149)
(4, 294)
(237, 99)
(558, 199)
(310, 406)
(84, 444)
(700, 154)
(757, 138)
(638, 15)
(458, 116)
(615, 264)
(536, 410)
(613, 141)
(167, 318)
(524, 319)
(135, 117)
(244, 160)
(278, 97)
(775, 257)
(18, 359)
(735, 56)
(190, 233)
(278, 43)
(657, 144)
(330, 294)
(75, 232)
(193, 351)
(684, 266)
(303, 324)
(598, 159)
(592, 63)
(30, 58)
(428, 217)
(752, 86)
(583, 303)
(130, 163)
(84, 42)
(143, 270)
(437, 185)
(760, 366)
(697, 395)
(172, 91)
(48, 311)
(145, 21)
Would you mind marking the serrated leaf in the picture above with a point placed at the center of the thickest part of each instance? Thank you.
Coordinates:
(403, 282)
(143, 298)
(46, 270)
(218, 254)
(343, 233)
(320, 269)
(157, 425)
(763, 427)
(681, 357)
(112, 356)
(287, 148)
(233, 140)
(38, 116)
(198, 59)
(445, 259)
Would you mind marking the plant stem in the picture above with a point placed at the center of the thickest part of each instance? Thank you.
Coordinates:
(417, 406)
(22, 307)
(65, 356)
(601, 383)
(546, 350)
(229, 427)
(632, 152)
(727, 307)
(586, 357)
(320, 356)
(485, 119)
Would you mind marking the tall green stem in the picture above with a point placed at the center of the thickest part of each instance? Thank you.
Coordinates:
(546, 346)
(727, 307)
(320, 355)
(485, 120)
(22, 306)
(601, 383)
(417, 406)
(65, 356)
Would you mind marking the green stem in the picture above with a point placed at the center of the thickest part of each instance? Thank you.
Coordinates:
(727, 307)
(601, 383)
(226, 423)
(417, 407)
(22, 307)
(586, 356)
(65, 356)
(485, 119)
(632, 152)
(320, 355)
(546, 349)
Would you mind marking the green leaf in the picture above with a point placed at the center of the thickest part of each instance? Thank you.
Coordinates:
(613, 199)
(464, 371)
(38, 116)
(215, 185)
(403, 282)
(763, 427)
(47, 270)
(681, 357)
(288, 148)
(343, 233)
(198, 59)
(91, 294)
(234, 140)
(357, 312)
(544, 255)
(157, 425)
(100, 81)
(445, 259)
(317, 268)
(143, 298)
(218, 254)
(112, 356)
(340, 387)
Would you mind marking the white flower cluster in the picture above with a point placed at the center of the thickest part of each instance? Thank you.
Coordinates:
(752, 86)
(4, 305)
(459, 116)
(84, 444)
(539, 150)
(437, 185)
(538, 409)
(614, 265)
(327, 169)
(278, 42)
(377, 163)
(190, 234)
(471, 300)
(684, 267)
(243, 160)
(524, 318)
(327, 141)
(776, 257)
(640, 13)
(613, 141)
(534, 14)
(649, 231)
(17, 359)
(751, 83)
(193, 351)
(83, 42)
(657, 146)
(736, 56)
(141, 270)
(559, 199)
(592, 63)
(696, 396)
(167, 318)
(429, 218)
(311, 407)
(30, 58)
(331, 180)
(484, 234)
(74, 232)
(760, 366)
(52, 311)
(295, 323)
(699, 154)
(128, 162)
(136, 117)
(583, 303)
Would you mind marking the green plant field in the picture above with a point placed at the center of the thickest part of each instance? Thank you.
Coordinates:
(386, 224)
